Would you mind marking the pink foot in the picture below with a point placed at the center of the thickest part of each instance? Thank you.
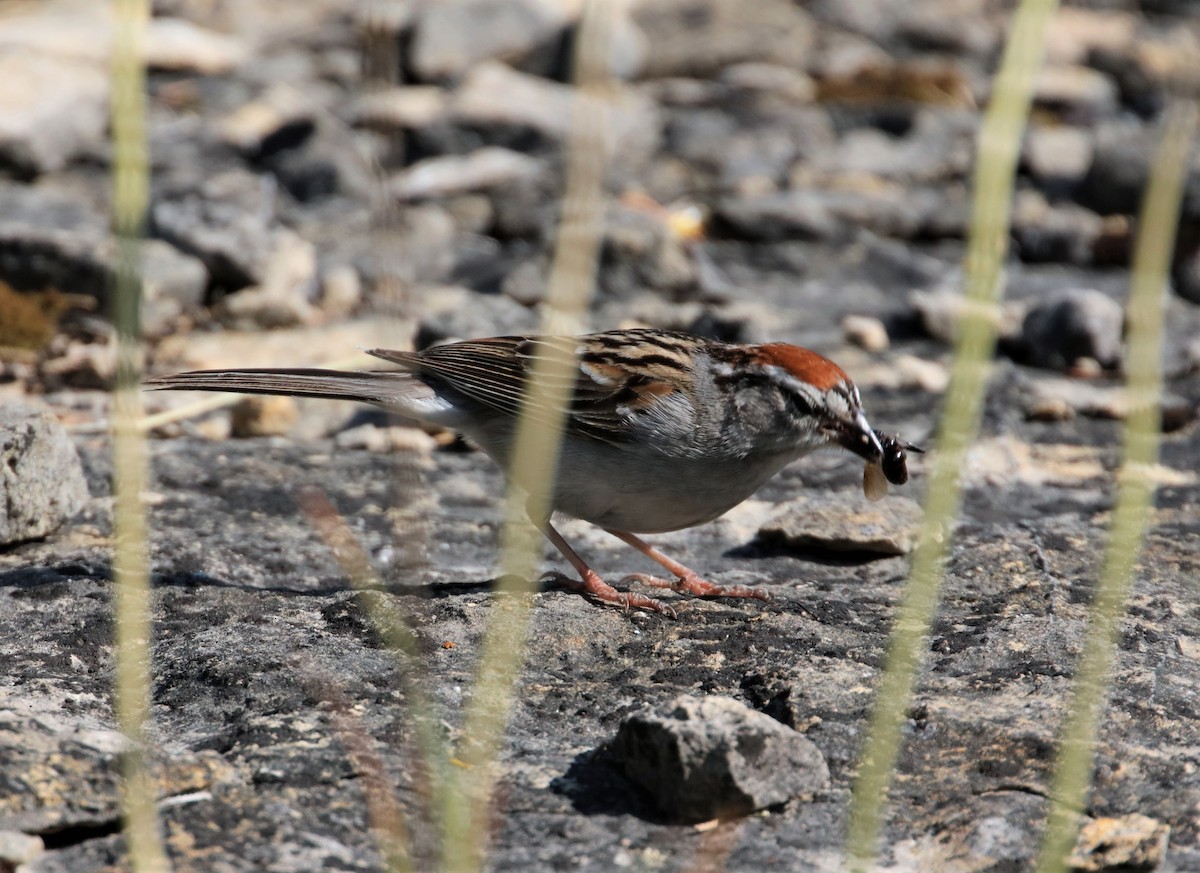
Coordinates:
(690, 583)
(595, 588)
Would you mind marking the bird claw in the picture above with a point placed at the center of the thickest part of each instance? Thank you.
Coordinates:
(597, 589)
(693, 584)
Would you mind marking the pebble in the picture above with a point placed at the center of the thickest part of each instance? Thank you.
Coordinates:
(1078, 90)
(1061, 399)
(260, 416)
(341, 290)
(449, 175)
(283, 112)
(17, 849)
(1074, 33)
(1185, 276)
(400, 108)
(1070, 325)
(1116, 179)
(1130, 842)
(940, 312)
(865, 332)
(702, 758)
(914, 372)
(383, 440)
(1058, 154)
(1058, 233)
(41, 480)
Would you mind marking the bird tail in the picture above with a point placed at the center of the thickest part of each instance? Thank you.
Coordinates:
(386, 388)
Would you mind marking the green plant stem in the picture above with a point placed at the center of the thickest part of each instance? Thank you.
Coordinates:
(1135, 489)
(995, 169)
(130, 569)
(466, 820)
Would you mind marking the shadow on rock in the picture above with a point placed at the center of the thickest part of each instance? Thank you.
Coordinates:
(595, 785)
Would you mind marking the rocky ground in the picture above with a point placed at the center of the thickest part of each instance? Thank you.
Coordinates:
(333, 175)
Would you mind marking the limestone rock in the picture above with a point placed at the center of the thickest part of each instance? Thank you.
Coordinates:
(713, 757)
(41, 479)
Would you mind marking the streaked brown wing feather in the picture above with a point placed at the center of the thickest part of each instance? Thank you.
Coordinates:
(619, 374)
(486, 370)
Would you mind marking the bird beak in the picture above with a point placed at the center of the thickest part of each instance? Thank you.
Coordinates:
(856, 435)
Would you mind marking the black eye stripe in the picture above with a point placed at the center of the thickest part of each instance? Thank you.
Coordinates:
(800, 401)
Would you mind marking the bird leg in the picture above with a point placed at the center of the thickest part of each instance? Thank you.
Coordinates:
(686, 580)
(589, 583)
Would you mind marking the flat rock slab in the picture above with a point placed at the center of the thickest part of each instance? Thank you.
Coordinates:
(844, 522)
(713, 757)
(41, 480)
(275, 694)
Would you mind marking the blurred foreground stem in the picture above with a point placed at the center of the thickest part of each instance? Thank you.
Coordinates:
(995, 169)
(133, 597)
(1135, 488)
(467, 818)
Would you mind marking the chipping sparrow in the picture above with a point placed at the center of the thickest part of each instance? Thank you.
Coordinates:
(664, 430)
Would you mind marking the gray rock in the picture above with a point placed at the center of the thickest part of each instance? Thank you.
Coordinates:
(787, 215)
(450, 175)
(1116, 180)
(282, 117)
(940, 312)
(172, 284)
(1057, 155)
(951, 26)
(400, 107)
(17, 848)
(1077, 90)
(641, 253)
(456, 313)
(526, 282)
(416, 246)
(49, 238)
(1060, 399)
(1063, 232)
(452, 36)
(41, 479)
(737, 146)
(182, 45)
(844, 522)
(828, 214)
(283, 296)
(938, 147)
(1185, 275)
(774, 31)
(496, 97)
(51, 108)
(527, 208)
(228, 222)
(712, 757)
(1068, 326)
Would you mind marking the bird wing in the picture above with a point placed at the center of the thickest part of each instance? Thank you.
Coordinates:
(614, 376)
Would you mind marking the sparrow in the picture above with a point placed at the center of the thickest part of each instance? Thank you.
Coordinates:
(664, 430)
